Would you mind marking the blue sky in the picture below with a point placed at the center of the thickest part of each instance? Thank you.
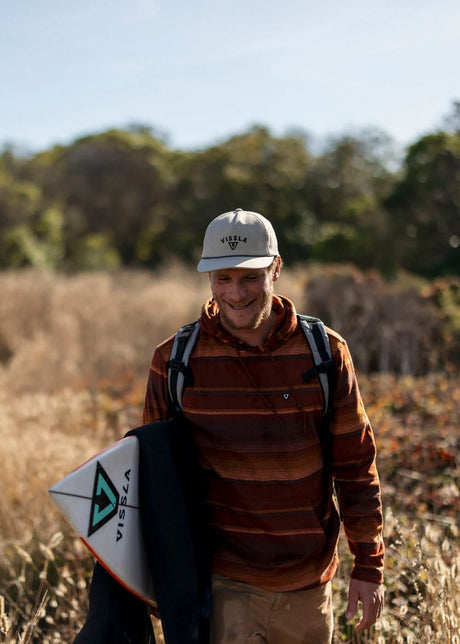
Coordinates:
(200, 71)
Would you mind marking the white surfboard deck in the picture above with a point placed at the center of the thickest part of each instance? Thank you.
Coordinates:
(100, 500)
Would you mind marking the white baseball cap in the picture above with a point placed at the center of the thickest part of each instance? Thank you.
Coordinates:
(238, 239)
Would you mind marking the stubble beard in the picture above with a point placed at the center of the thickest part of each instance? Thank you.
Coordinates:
(255, 321)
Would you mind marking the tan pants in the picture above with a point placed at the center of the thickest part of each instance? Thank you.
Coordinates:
(246, 614)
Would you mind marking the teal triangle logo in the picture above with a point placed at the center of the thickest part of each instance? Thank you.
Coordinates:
(104, 502)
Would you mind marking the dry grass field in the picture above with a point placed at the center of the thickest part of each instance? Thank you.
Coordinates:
(74, 355)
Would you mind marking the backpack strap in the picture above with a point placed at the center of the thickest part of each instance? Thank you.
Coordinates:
(318, 341)
(324, 369)
(179, 373)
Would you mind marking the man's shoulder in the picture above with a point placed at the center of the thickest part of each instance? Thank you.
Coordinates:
(334, 337)
(164, 348)
(337, 342)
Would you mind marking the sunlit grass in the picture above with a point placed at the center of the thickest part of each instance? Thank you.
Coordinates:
(63, 398)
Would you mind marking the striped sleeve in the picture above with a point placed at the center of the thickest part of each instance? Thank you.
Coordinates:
(355, 472)
(156, 405)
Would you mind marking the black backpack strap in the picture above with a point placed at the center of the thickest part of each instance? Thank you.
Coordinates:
(179, 373)
(323, 364)
(324, 370)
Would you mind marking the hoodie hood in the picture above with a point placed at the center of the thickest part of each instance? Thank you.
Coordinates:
(285, 326)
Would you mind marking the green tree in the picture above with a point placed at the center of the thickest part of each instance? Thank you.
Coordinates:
(425, 207)
(348, 183)
(253, 170)
(112, 186)
(122, 197)
(30, 232)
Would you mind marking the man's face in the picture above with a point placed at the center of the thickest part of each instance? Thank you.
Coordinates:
(244, 296)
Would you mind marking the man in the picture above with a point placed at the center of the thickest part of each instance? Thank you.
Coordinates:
(257, 424)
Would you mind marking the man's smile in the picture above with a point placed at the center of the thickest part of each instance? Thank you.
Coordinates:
(239, 306)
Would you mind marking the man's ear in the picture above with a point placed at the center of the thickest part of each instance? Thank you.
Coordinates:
(277, 270)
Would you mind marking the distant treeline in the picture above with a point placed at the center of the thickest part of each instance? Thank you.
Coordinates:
(126, 198)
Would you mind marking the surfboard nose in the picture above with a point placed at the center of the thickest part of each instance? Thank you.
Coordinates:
(100, 500)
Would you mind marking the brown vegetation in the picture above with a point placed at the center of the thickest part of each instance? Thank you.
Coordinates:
(406, 326)
(75, 357)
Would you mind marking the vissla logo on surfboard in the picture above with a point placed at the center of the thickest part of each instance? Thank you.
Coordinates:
(100, 499)
(104, 502)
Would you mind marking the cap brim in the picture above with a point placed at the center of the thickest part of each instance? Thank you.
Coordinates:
(217, 263)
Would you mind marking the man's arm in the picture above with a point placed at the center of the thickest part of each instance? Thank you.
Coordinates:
(358, 488)
(156, 404)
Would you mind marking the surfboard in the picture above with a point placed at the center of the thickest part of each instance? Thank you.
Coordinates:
(100, 500)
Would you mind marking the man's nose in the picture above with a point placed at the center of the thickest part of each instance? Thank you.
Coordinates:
(237, 292)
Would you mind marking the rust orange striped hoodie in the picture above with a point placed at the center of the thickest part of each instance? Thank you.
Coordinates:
(256, 423)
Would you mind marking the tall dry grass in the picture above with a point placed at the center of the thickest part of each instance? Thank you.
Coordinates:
(58, 331)
(75, 354)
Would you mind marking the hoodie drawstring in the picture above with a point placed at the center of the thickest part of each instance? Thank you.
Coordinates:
(266, 400)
